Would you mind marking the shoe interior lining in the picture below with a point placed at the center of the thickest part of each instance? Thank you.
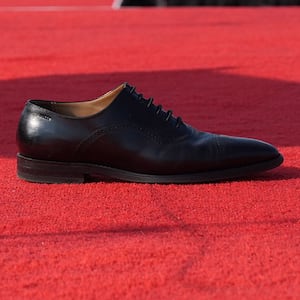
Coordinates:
(87, 108)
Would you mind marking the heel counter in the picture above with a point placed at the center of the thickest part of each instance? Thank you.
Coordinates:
(41, 135)
(26, 130)
(20, 133)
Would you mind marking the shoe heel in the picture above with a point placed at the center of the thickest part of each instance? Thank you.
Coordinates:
(42, 171)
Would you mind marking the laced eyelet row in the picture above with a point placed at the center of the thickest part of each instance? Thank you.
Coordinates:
(159, 108)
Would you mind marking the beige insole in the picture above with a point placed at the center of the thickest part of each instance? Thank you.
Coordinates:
(88, 108)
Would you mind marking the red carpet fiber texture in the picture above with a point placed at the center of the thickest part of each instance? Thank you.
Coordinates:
(226, 70)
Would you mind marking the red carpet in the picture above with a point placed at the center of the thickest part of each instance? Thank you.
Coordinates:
(233, 71)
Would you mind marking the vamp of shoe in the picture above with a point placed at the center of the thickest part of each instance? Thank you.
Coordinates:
(122, 136)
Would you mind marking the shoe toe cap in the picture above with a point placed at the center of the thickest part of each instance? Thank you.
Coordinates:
(237, 152)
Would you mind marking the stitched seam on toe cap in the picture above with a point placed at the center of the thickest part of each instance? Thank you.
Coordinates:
(219, 147)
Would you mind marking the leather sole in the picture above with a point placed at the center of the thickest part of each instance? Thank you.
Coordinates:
(63, 172)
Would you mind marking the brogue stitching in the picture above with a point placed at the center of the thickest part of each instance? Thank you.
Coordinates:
(101, 132)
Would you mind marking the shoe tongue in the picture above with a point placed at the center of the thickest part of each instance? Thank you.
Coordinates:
(122, 90)
(130, 90)
(127, 87)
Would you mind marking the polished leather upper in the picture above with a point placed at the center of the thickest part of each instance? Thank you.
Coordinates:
(132, 135)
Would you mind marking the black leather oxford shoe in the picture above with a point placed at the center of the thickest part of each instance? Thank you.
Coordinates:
(122, 136)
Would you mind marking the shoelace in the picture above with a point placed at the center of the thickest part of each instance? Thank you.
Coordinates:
(159, 107)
